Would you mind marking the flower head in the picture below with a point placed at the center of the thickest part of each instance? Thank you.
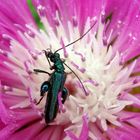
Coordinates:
(102, 69)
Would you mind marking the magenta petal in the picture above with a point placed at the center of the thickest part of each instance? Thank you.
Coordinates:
(12, 20)
(2, 125)
(29, 131)
(129, 97)
(129, 129)
(71, 135)
(125, 23)
(7, 131)
(124, 133)
(84, 131)
(76, 11)
(129, 117)
(51, 132)
(60, 102)
(137, 68)
(5, 115)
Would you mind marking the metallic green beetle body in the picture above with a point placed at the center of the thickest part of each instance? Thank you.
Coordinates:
(53, 86)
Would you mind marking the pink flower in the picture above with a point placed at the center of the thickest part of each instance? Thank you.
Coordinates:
(106, 60)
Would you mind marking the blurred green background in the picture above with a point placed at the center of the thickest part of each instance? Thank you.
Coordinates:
(35, 15)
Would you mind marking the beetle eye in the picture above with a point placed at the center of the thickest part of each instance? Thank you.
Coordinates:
(50, 54)
(52, 58)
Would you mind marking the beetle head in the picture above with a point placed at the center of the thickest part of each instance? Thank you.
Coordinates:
(52, 56)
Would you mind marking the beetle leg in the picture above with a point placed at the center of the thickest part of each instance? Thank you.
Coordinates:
(39, 100)
(41, 71)
(64, 94)
(44, 88)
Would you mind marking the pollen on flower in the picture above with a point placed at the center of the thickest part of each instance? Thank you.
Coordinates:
(97, 65)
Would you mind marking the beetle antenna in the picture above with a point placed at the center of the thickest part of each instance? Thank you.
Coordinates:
(78, 78)
(77, 39)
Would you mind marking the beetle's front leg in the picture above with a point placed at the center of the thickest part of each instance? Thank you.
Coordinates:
(41, 71)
